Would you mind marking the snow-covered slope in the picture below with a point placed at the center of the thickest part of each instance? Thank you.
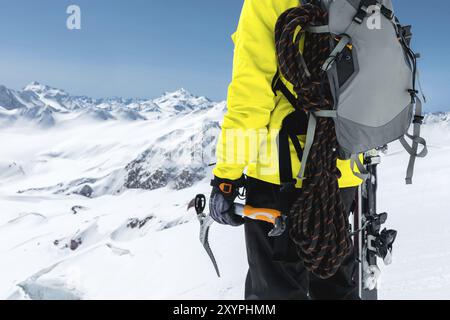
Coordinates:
(170, 135)
(95, 207)
(53, 178)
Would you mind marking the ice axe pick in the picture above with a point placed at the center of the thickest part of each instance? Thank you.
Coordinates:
(267, 215)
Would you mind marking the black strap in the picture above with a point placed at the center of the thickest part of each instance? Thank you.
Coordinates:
(279, 86)
(285, 162)
(297, 145)
(286, 194)
(294, 125)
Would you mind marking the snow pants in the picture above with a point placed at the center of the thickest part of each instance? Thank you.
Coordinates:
(275, 270)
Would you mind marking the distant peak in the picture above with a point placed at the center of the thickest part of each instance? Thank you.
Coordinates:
(179, 93)
(183, 94)
(35, 86)
(38, 87)
(183, 90)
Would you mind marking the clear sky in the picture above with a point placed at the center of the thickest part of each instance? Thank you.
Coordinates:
(141, 48)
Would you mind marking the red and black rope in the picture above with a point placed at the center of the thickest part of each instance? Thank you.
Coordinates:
(320, 227)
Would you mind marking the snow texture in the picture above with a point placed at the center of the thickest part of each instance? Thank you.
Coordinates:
(94, 197)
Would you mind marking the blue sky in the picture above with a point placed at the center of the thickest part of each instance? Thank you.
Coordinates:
(141, 48)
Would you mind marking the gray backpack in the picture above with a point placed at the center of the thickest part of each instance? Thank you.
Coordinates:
(374, 85)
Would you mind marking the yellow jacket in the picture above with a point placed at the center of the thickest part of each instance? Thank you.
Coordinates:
(255, 114)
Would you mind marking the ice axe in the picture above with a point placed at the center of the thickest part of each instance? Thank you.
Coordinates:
(267, 215)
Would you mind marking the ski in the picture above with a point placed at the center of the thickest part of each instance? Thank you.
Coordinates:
(370, 242)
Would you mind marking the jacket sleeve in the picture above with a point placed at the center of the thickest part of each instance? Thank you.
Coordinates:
(250, 96)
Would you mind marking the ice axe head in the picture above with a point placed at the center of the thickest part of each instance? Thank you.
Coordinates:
(205, 223)
(267, 215)
(200, 203)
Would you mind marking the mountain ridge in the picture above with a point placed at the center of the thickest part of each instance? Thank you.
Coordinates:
(43, 105)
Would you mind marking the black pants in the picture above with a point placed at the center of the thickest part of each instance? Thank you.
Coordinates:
(275, 277)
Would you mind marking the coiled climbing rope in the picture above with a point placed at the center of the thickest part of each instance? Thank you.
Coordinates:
(320, 226)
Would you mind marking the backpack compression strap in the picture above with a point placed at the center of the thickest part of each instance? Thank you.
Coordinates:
(417, 140)
(355, 160)
(404, 34)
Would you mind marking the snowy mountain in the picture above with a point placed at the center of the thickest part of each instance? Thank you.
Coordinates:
(9, 99)
(77, 149)
(94, 196)
(439, 118)
(46, 106)
(173, 155)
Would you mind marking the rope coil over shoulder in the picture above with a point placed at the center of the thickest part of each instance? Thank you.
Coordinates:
(320, 227)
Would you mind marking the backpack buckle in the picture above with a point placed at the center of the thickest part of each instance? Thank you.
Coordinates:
(359, 18)
(389, 14)
(418, 119)
(413, 94)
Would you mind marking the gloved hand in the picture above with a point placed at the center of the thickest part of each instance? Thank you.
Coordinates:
(221, 203)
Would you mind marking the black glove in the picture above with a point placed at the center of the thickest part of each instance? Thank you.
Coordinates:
(221, 203)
